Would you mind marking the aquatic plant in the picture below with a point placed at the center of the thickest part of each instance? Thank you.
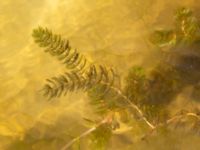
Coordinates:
(145, 96)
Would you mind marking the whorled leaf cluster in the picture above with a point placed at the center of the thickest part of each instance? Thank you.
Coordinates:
(72, 81)
(178, 68)
(186, 31)
(60, 48)
(81, 74)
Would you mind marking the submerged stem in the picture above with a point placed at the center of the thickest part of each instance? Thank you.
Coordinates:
(171, 120)
(104, 121)
(134, 106)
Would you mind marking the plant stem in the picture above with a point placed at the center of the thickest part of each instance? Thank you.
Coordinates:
(134, 106)
(171, 120)
(106, 120)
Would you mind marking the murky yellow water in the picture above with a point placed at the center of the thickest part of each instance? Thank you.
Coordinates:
(109, 31)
